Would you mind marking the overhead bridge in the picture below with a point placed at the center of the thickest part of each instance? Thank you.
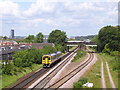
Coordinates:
(80, 44)
(76, 43)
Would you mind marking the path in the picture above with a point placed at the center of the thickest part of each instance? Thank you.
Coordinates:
(110, 77)
(102, 77)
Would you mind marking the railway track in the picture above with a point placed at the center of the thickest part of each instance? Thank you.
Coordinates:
(31, 78)
(71, 74)
(23, 83)
(47, 78)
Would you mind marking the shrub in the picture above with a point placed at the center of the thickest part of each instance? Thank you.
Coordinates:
(26, 58)
(8, 69)
(114, 53)
(80, 83)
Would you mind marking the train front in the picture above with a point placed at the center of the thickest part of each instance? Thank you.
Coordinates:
(46, 61)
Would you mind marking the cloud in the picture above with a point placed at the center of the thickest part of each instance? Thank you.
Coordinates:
(113, 0)
(39, 7)
(83, 6)
(46, 14)
(9, 8)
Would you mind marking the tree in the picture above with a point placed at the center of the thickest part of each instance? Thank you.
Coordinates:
(30, 39)
(39, 38)
(57, 36)
(23, 58)
(8, 69)
(5, 37)
(109, 35)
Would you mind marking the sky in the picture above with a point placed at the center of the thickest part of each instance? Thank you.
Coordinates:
(75, 17)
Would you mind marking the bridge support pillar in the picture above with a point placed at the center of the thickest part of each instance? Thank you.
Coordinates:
(81, 46)
(68, 48)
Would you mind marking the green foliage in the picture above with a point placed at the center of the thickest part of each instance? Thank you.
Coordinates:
(115, 53)
(61, 48)
(108, 38)
(30, 39)
(94, 49)
(80, 83)
(71, 39)
(49, 49)
(95, 39)
(8, 69)
(116, 63)
(57, 36)
(26, 58)
(39, 38)
(80, 54)
(106, 49)
(5, 37)
(8, 80)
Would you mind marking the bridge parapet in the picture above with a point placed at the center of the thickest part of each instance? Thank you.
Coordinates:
(80, 42)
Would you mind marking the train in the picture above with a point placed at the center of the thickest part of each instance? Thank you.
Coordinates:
(48, 59)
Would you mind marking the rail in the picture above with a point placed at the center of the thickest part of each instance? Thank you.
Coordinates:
(26, 81)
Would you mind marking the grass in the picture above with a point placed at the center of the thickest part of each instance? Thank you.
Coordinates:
(94, 76)
(114, 73)
(72, 48)
(105, 71)
(79, 83)
(0, 81)
(79, 56)
(8, 80)
(110, 59)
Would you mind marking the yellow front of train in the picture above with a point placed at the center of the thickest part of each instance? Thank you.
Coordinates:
(46, 60)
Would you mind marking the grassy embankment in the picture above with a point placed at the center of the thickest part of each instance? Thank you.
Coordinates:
(8, 80)
(79, 56)
(94, 76)
(114, 73)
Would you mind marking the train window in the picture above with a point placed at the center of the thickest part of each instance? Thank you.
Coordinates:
(48, 58)
(45, 57)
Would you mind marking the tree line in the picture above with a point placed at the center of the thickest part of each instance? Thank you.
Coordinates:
(108, 41)
(58, 37)
(26, 58)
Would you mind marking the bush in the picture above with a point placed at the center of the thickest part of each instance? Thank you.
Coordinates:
(115, 63)
(26, 58)
(115, 53)
(80, 83)
(8, 69)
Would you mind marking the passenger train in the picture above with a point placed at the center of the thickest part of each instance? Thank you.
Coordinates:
(48, 59)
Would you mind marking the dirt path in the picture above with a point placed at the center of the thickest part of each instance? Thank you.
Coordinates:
(110, 77)
(102, 77)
